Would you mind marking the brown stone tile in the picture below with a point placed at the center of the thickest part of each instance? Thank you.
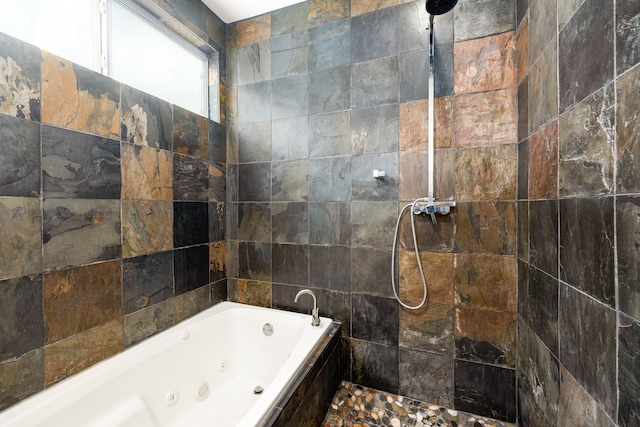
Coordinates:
(232, 35)
(485, 64)
(147, 173)
(21, 377)
(218, 260)
(543, 89)
(72, 355)
(82, 298)
(69, 98)
(486, 336)
(21, 242)
(486, 173)
(577, 407)
(522, 49)
(628, 130)
(95, 223)
(360, 7)
(232, 112)
(429, 328)
(191, 303)
(147, 227)
(438, 269)
(217, 182)
(414, 124)
(148, 321)
(485, 118)
(485, 282)
(190, 133)
(252, 292)
(325, 11)
(485, 228)
(543, 163)
(254, 30)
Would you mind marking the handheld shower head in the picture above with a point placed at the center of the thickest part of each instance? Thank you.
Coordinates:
(438, 7)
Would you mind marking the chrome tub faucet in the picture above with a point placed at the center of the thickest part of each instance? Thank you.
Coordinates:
(315, 318)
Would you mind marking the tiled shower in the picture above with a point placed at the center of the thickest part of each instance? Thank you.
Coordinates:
(533, 309)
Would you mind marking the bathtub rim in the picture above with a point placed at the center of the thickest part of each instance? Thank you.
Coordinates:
(37, 407)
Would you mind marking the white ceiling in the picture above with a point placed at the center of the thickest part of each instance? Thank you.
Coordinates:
(237, 10)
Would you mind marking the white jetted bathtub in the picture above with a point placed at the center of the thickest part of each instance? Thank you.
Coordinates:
(227, 366)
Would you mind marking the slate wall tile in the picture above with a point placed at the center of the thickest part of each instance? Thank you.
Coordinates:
(485, 390)
(21, 86)
(584, 324)
(583, 61)
(21, 245)
(146, 280)
(78, 165)
(586, 246)
(22, 308)
(20, 157)
(146, 120)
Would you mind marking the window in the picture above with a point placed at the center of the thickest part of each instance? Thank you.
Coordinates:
(145, 57)
(67, 28)
(140, 51)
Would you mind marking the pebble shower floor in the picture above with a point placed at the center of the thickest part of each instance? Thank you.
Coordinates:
(357, 406)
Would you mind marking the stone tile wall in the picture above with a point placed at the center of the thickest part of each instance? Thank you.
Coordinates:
(112, 215)
(322, 93)
(578, 298)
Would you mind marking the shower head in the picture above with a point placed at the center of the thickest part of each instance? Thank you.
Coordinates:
(438, 7)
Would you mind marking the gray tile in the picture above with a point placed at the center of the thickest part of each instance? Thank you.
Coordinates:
(254, 221)
(290, 181)
(290, 222)
(374, 35)
(587, 331)
(290, 54)
(78, 165)
(290, 266)
(375, 82)
(375, 130)
(254, 63)
(330, 179)
(330, 90)
(437, 388)
(586, 246)
(586, 150)
(330, 267)
(146, 280)
(580, 60)
(627, 34)
(628, 232)
(20, 157)
(365, 187)
(290, 97)
(629, 374)
(290, 138)
(330, 45)
(254, 182)
(254, 103)
(330, 134)
(372, 223)
(374, 319)
(330, 223)
(22, 308)
(254, 142)
(289, 19)
(475, 19)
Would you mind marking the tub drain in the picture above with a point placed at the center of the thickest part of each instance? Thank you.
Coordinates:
(258, 389)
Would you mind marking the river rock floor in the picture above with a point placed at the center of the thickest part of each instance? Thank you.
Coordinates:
(357, 406)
